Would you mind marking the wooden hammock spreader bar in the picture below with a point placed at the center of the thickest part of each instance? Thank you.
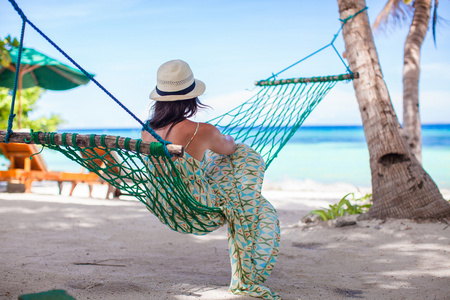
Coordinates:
(84, 141)
(308, 79)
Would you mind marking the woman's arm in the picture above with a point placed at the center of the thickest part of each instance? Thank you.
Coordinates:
(219, 143)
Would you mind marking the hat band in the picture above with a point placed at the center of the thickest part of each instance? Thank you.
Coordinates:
(182, 92)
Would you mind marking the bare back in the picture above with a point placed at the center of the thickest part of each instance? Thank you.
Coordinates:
(198, 139)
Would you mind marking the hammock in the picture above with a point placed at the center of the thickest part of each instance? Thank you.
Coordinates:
(266, 122)
(147, 171)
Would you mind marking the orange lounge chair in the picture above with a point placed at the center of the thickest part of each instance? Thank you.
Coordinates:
(25, 170)
(103, 161)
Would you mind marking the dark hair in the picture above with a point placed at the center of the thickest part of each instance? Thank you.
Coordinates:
(173, 112)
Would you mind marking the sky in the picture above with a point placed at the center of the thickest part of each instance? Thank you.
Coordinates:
(228, 44)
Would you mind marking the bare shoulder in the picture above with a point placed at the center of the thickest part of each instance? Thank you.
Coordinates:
(208, 129)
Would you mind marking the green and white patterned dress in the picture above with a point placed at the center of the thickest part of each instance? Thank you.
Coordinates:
(233, 183)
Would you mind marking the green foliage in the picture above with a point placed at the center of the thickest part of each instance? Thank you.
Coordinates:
(29, 99)
(5, 46)
(345, 207)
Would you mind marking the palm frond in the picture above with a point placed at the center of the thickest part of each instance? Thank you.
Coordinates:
(434, 20)
(395, 12)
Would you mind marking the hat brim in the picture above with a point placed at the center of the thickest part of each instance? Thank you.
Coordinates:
(199, 89)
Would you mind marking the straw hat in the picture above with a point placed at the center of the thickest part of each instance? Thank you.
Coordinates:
(175, 81)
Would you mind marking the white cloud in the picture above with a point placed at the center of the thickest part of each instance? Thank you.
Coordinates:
(339, 107)
(223, 103)
(434, 106)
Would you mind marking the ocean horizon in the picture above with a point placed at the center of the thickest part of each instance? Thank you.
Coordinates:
(332, 154)
(324, 154)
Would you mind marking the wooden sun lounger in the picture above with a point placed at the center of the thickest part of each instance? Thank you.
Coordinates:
(25, 170)
(108, 161)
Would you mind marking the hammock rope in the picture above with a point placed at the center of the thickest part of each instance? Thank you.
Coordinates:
(147, 171)
(16, 79)
(331, 44)
(26, 20)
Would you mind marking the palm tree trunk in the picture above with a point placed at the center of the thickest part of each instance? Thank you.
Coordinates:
(411, 72)
(400, 186)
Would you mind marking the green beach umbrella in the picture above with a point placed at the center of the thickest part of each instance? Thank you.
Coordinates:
(37, 69)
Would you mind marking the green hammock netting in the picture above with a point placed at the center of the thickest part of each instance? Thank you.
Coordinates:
(270, 118)
(153, 179)
(266, 122)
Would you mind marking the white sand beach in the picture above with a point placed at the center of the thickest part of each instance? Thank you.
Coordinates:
(115, 249)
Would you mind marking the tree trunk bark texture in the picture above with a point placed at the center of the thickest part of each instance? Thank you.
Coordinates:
(411, 72)
(400, 186)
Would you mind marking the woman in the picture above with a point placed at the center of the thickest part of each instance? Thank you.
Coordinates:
(219, 173)
(176, 101)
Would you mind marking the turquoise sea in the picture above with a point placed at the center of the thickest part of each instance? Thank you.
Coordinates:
(331, 154)
(324, 154)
